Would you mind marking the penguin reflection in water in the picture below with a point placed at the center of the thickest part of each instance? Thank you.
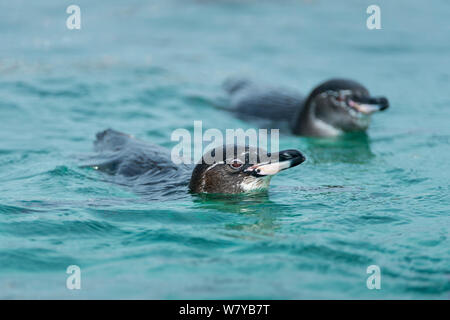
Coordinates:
(228, 169)
(334, 107)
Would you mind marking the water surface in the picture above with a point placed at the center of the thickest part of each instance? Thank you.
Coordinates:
(150, 67)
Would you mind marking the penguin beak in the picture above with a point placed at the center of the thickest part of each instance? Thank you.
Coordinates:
(283, 160)
(369, 105)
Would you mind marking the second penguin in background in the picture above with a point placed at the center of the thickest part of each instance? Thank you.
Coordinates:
(332, 108)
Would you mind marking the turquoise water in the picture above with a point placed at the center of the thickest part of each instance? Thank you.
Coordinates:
(150, 67)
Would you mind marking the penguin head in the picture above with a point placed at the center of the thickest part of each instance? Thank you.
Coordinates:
(235, 169)
(345, 104)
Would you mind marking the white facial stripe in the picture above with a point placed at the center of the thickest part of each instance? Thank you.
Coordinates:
(213, 166)
(272, 168)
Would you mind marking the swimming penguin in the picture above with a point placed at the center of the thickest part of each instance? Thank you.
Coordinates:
(240, 169)
(333, 107)
(227, 169)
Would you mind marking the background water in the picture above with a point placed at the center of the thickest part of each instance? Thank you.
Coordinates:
(149, 67)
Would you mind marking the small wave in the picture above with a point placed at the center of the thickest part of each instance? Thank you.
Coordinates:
(7, 209)
(77, 91)
(177, 238)
(82, 228)
(34, 259)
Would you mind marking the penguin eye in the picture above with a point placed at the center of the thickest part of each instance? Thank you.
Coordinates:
(236, 164)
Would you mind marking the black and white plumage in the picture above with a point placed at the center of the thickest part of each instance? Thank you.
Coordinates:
(333, 107)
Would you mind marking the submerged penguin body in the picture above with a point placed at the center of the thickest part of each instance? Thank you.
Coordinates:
(127, 156)
(145, 168)
(250, 100)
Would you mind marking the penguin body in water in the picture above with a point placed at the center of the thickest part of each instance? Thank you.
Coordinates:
(227, 169)
(332, 108)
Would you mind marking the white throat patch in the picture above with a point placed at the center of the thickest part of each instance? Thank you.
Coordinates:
(253, 183)
(326, 129)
